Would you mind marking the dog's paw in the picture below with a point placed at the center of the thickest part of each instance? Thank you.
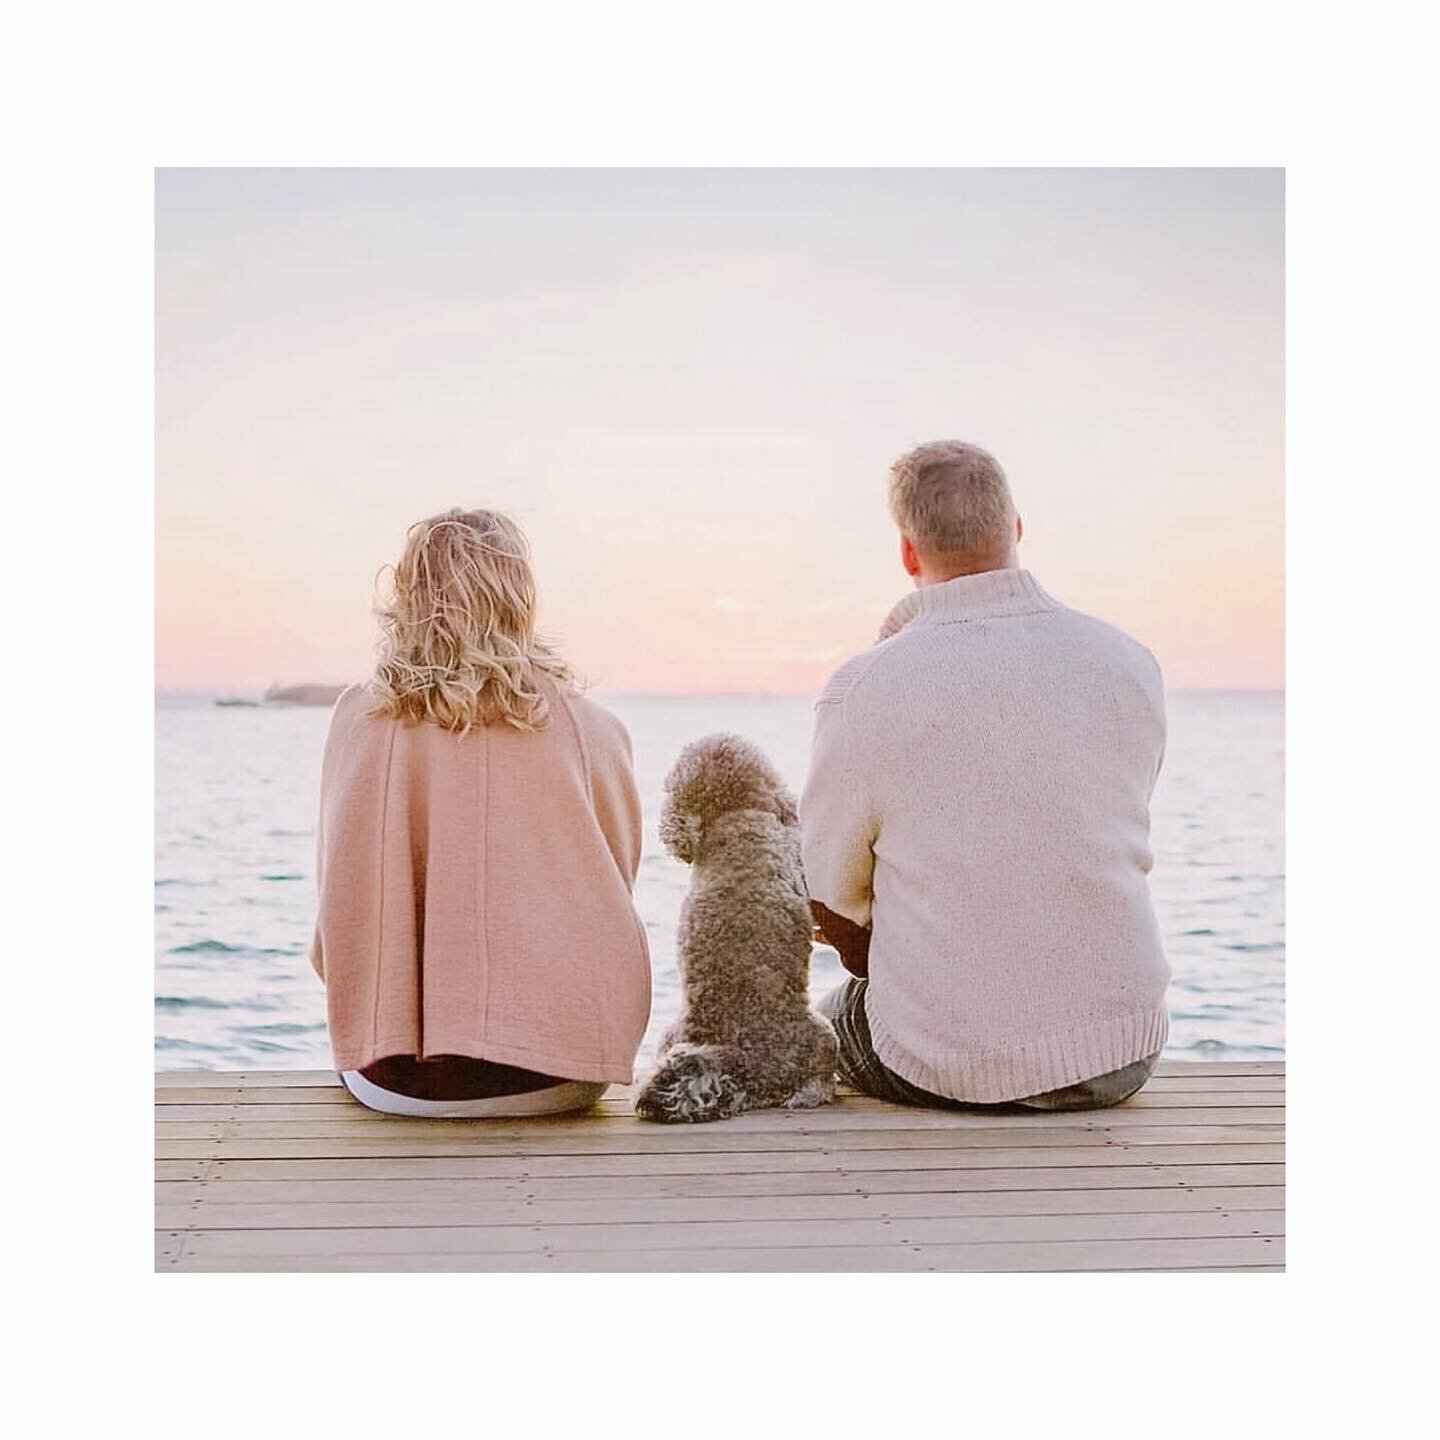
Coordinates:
(689, 1087)
(811, 1094)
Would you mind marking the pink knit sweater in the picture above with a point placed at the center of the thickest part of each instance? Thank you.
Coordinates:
(979, 791)
(475, 892)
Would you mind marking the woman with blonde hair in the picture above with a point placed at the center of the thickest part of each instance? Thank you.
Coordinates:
(478, 845)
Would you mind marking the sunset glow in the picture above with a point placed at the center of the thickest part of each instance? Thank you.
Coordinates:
(687, 386)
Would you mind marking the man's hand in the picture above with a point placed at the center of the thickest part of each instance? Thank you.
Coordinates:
(852, 941)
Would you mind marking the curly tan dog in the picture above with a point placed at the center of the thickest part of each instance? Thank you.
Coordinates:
(747, 1038)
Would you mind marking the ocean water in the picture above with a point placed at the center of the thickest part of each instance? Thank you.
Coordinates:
(236, 794)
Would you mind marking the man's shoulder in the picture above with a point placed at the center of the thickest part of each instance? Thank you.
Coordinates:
(850, 677)
(861, 678)
(1119, 648)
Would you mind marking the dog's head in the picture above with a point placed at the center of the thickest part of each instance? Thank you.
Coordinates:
(713, 776)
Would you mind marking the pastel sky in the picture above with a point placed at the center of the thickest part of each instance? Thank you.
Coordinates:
(688, 385)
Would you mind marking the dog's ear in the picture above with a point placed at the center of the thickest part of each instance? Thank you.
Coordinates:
(680, 832)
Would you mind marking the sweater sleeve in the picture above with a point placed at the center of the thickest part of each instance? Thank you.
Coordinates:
(838, 826)
(317, 945)
(1154, 685)
(341, 726)
(616, 796)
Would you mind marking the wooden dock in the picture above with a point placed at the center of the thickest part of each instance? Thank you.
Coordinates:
(281, 1170)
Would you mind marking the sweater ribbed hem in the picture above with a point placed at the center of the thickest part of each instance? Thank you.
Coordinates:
(546, 1062)
(1031, 1068)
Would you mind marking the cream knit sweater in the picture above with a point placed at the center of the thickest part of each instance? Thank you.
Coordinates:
(979, 792)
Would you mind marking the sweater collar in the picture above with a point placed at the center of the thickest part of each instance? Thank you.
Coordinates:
(970, 597)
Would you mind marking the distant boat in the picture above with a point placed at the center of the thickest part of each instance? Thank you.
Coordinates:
(282, 695)
(303, 694)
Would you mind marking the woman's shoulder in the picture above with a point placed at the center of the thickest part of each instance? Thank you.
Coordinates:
(352, 695)
(354, 702)
(355, 720)
(598, 724)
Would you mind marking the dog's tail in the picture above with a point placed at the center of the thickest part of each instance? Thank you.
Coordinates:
(694, 1083)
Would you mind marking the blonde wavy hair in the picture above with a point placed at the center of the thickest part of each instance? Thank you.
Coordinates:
(458, 646)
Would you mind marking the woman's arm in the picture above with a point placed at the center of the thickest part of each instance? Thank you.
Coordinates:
(615, 794)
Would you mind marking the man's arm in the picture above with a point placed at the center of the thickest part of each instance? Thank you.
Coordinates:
(851, 941)
(838, 828)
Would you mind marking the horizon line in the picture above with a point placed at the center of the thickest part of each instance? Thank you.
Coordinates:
(211, 694)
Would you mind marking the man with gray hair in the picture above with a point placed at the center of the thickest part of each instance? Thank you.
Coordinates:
(975, 825)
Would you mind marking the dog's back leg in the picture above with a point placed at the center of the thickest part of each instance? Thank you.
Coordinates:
(819, 1088)
(695, 1083)
(812, 1093)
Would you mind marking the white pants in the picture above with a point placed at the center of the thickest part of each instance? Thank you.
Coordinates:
(572, 1095)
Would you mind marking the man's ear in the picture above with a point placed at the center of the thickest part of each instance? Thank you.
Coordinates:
(1019, 529)
(908, 558)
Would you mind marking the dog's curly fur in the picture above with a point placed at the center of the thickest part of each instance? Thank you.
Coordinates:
(747, 1038)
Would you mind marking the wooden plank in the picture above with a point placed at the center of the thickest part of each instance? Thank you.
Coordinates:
(847, 1112)
(183, 1169)
(637, 1137)
(1106, 1255)
(725, 1234)
(627, 1148)
(210, 1212)
(821, 1175)
(1200, 1077)
(740, 1132)
(300, 1187)
(618, 1101)
(470, 1163)
(175, 1078)
(253, 1095)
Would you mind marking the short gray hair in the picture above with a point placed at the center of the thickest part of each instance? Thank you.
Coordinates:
(950, 498)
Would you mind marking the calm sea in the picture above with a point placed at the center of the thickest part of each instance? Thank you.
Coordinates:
(235, 898)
